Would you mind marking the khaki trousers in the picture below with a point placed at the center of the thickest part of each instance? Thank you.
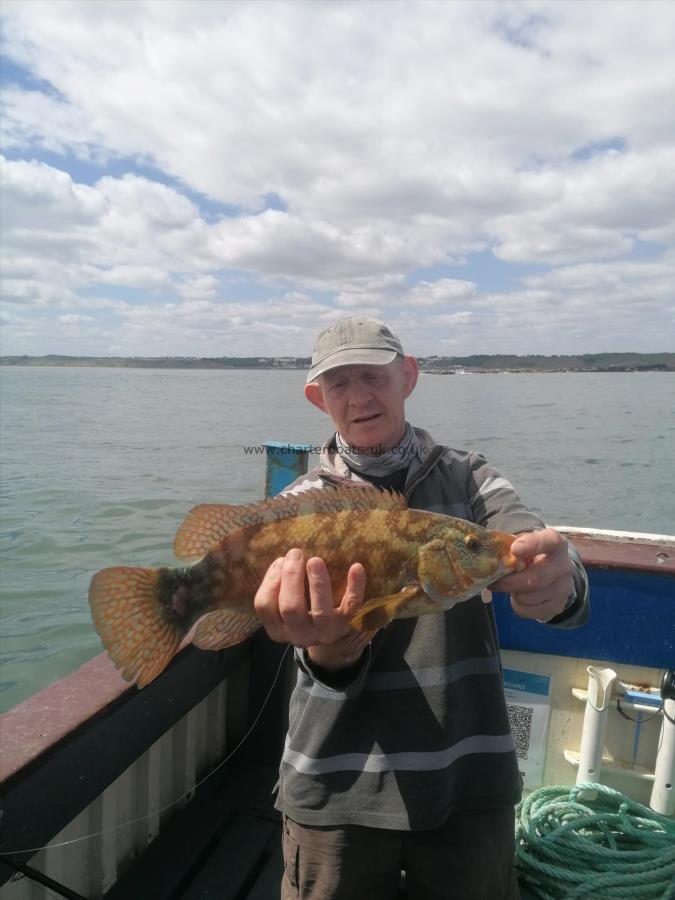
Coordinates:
(470, 857)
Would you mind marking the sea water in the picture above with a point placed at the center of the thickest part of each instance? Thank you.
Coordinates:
(100, 465)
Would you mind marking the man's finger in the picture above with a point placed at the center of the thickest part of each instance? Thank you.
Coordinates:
(354, 592)
(534, 543)
(541, 573)
(272, 579)
(529, 580)
(266, 601)
(293, 606)
(320, 592)
(543, 604)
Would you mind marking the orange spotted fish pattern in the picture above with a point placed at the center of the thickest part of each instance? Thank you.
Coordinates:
(416, 563)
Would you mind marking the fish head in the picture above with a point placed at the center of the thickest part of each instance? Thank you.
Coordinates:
(461, 559)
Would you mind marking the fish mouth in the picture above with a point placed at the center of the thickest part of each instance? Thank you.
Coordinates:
(503, 544)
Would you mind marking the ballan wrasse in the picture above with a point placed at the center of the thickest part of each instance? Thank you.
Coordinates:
(415, 563)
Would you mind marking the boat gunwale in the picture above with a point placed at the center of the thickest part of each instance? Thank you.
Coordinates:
(40, 723)
(623, 549)
(101, 742)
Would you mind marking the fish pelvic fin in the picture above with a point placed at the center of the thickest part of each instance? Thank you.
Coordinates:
(207, 524)
(133, 625)
(224, 628)
(380, 611)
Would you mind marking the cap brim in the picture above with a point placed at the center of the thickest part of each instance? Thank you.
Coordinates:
(355, 357)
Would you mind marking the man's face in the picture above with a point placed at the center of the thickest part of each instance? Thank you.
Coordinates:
(366, 403)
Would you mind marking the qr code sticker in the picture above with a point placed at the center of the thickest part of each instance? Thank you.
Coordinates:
(520, 718)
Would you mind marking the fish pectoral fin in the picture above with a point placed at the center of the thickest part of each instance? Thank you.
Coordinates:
(424, 605)
(379, 611)
(224, 628)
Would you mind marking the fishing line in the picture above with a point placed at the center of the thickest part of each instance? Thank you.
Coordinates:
(162, 809)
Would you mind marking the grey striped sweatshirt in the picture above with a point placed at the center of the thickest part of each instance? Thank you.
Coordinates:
(419, 728)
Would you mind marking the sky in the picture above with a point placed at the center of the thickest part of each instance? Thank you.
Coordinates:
(229, 178)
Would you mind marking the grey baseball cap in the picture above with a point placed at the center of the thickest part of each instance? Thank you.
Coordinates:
(353, 341)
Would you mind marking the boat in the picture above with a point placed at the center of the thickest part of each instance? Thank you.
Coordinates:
(111, 792)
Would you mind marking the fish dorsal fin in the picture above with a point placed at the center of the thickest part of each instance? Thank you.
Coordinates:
(208, 523)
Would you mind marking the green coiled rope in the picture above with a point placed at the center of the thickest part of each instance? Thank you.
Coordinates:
(608, 848)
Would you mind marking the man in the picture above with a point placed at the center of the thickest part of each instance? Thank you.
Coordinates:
(399, 753)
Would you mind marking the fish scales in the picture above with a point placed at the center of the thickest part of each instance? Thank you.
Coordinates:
(384, 541)
(416, 563)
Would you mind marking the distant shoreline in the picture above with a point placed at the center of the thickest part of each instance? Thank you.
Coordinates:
(435, 365)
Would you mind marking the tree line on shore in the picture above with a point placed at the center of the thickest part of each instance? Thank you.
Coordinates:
(587, 362)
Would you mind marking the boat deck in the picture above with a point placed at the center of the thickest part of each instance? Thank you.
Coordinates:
(225, 844)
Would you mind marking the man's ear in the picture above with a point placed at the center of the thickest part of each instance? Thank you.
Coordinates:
(314, 394)
(411, 371)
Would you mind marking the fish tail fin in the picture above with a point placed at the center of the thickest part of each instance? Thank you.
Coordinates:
(132, 621)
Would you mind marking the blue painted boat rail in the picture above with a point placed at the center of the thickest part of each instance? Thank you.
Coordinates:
(632, 620)
(284, 463)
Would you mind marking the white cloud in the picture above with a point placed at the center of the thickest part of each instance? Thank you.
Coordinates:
(398, 138)
(149, 277)
(441, 292)
(595, 279)
(74, 319)
(374, 115)
(316, 252)
(458, 318)
(590, 210)
(134, 228)
(201, 287)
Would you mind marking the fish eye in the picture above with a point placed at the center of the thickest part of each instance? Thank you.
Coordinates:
(472, 543)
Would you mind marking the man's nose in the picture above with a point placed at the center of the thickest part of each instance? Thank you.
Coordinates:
(359, 395)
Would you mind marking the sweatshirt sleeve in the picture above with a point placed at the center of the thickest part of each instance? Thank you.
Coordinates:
(347, 682)
(578, 609)
(496, 505)
(494, 501)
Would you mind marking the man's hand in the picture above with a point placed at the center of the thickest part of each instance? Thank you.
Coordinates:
(288, 617)
(541, 589)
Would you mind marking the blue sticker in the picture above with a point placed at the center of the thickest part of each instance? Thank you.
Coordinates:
(527, 681)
